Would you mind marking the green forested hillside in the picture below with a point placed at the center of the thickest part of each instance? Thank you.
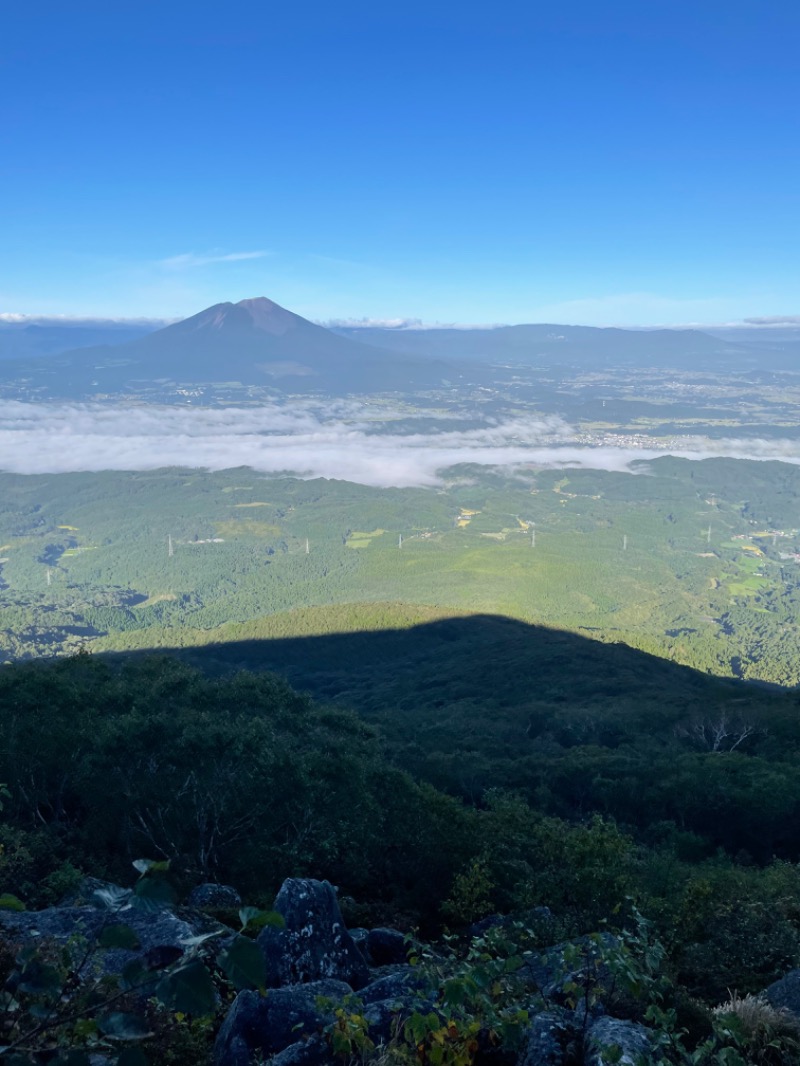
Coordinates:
(574, 725)
(694, 561)
(240, 779)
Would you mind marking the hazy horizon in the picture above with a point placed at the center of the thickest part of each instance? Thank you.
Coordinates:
(11, 319)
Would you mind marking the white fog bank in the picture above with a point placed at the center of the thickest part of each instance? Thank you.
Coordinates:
(338, 440)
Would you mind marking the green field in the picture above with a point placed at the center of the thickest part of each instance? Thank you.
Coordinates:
(690, 560)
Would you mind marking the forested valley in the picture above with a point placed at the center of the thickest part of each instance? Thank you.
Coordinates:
(560, 696)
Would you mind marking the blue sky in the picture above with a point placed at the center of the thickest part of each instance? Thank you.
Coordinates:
(630, 163)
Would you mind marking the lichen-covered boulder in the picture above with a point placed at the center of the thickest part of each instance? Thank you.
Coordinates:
(385, 1017)
(612, 1041)
(150, 935)
(551, 1039)
(785, 993)
(399, 985)
(313, 1052)
(580, 962)
(258, 1026)
(314, 944)
(360, 937)
(214, 897)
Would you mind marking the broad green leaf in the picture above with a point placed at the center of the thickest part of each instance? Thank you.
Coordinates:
(145, 866)
(154, 893)
(121, 1026)
(513, 964)
(41, 1011)
(188, 989)
(161, 956)
(253, 918)
(118, 936)
(247, 914)
(39, 978)
(11, 903)
(243, 964)
(134, 974)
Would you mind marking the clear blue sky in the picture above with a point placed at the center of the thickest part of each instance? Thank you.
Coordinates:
(618, 162)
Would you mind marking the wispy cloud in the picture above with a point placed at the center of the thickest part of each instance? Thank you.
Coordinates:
(401, 324)
(373, 323)
(192, 259)
(309, 440)
(333, 261)
(773, 320)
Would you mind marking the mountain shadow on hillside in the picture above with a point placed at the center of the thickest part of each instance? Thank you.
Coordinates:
(483, 701)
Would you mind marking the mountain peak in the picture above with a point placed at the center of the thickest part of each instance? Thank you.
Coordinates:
(267, 315)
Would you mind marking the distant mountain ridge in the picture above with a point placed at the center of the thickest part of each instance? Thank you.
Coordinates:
(550, 342)
(254, 342)
(258, 342)
(37, 341)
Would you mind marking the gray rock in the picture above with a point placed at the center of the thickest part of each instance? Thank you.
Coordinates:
(386, 1015)
(610, 1040)
(399, 985)
(551, 1039)
(360, 937)
(572, 962)
(214, 897)
(53, 923)
(261, 1026)
(386, 946)
(314, 943)
(491, 921)
(313, 1052)
(785, 993)
(84, 894)
(535, 918)
(153, 930)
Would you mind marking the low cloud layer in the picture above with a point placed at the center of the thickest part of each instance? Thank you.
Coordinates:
(774, 320)
(12, 320)
(342, 440)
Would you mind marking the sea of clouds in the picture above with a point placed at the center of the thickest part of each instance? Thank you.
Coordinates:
(344, 440)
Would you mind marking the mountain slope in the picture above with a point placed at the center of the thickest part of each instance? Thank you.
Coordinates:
(480, 702)
(38, 341)
(255, 342)
(557, 344)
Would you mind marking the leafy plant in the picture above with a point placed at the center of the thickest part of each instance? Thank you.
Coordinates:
(58, 999)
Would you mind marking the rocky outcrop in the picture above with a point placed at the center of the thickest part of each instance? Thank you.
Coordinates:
(153, 931)
(572, 963)
(214, 897)
(785, 993)
(552, 1039)
(621, 1043)
(313, 965)
(402, 984)
(258, 1025)
(314, 944)
(535, 918)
